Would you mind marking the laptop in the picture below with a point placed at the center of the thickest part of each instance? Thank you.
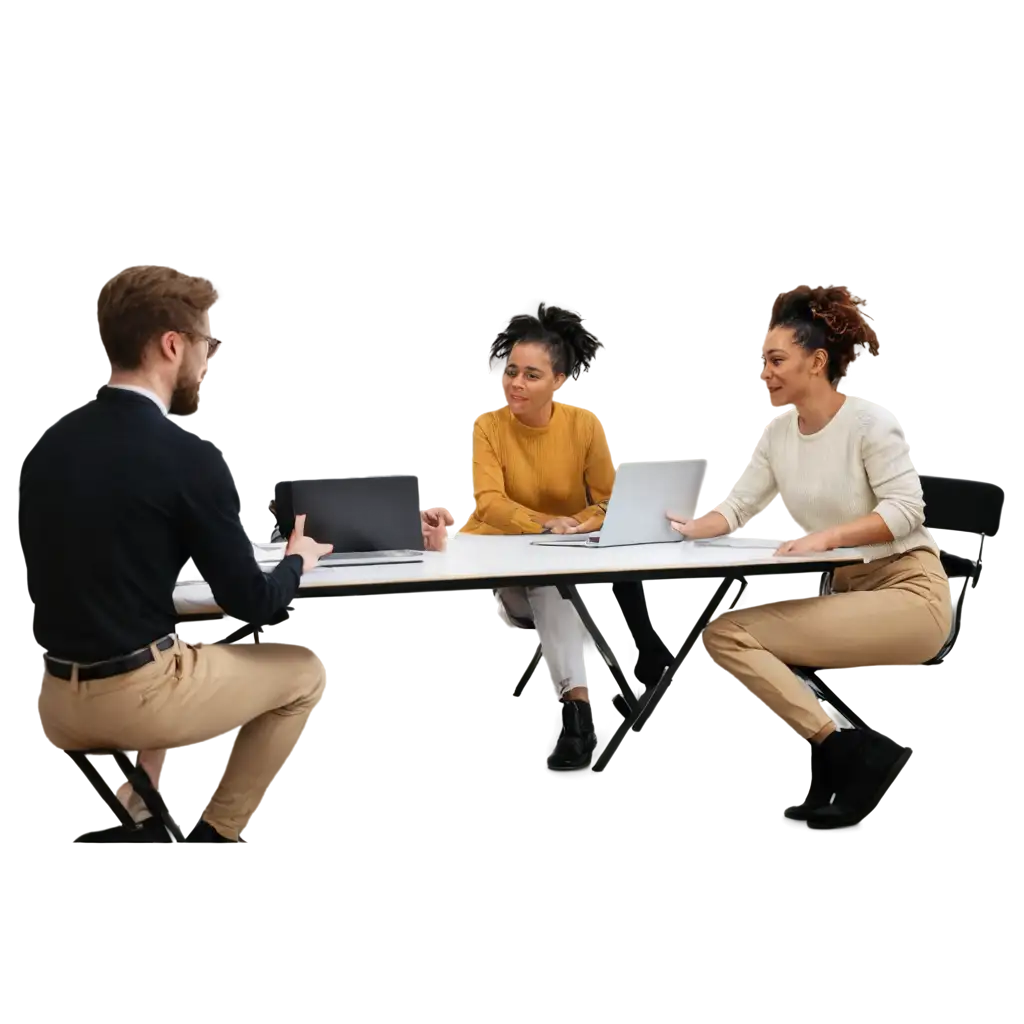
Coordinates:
(370, 520)
(643, 495)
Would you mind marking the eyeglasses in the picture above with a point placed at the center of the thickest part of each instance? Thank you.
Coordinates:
(214, 341)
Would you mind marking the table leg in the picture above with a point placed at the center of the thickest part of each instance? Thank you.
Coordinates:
(641, 666)
(636, 676)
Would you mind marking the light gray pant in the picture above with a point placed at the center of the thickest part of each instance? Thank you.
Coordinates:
(559, 627)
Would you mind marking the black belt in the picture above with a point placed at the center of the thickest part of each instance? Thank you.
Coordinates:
(110, 667)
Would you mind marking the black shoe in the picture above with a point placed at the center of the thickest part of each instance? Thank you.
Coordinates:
(650, 671)
(204, 832)
(863, 765)
(820, 793)
(150, 833)
(573, 735)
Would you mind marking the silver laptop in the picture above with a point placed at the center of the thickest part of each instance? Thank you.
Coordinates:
(643, 495)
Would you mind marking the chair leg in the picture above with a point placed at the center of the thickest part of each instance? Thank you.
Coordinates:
(139, 779)
(963, 583)
(832, 698)
(91, 768)
(98, 771)
(528, 688)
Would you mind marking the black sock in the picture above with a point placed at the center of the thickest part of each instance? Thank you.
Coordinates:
(654, 655)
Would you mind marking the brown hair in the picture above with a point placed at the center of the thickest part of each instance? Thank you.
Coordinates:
(141, 303)
(826, 318)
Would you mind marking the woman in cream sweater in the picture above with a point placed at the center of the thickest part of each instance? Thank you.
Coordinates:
(843, 469)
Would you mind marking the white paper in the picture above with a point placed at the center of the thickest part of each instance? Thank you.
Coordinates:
(741, 542)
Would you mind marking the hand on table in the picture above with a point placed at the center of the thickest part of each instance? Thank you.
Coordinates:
(590, 525)
(561, 524)
(305, 547)
(435, 522)
(808, 545)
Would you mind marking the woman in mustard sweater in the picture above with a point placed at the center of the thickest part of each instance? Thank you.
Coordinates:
(541, 466)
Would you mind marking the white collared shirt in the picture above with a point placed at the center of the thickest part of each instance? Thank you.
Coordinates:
(152, 395)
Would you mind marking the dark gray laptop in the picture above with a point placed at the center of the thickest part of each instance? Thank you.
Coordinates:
(369, 520)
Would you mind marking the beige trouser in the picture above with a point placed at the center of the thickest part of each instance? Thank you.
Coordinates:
(190, 694)
(893, 611)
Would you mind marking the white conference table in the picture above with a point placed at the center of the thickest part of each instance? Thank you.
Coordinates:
(488, 562)
(474, 562)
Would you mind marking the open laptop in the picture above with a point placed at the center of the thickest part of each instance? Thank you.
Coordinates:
(370, 520)
(643, 495)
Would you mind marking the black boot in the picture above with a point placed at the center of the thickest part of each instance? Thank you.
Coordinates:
(863, 764)
(573, 735)
(204, 832)
(148, 833)
(820, 793)
(651, 665)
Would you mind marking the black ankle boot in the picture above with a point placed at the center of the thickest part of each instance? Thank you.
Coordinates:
(574, 739)
(820, 793)
(204, 832)
(863, 764)
(148, 831)
(651, 668)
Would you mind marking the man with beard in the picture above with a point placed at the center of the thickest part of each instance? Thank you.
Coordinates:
(115, 498)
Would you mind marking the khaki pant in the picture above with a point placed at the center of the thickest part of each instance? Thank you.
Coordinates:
(893, 611)
(190, 694)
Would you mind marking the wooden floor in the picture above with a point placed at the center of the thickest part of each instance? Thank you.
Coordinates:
(420, 740)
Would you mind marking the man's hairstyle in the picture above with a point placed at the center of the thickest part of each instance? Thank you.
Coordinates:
(141, 303)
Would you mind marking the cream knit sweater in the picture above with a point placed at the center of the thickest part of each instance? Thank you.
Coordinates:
(858, 463)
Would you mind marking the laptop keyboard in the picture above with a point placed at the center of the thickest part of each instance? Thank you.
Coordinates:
(368, 556)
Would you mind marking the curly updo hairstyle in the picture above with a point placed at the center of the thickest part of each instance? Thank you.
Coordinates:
(570, 345)
(826, 318)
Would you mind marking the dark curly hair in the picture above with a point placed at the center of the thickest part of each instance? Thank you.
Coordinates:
(570, 345)
(826, 318)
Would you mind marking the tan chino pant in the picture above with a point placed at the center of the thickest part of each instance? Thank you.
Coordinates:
(893, 611)
(190, 694)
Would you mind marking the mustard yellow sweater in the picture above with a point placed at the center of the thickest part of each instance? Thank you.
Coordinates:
(523, 476)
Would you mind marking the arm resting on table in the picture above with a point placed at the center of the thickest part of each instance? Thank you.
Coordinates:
(869, 529)
(217, 543)
(493, 506)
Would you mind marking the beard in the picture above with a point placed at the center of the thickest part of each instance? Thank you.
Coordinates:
(185, 398)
